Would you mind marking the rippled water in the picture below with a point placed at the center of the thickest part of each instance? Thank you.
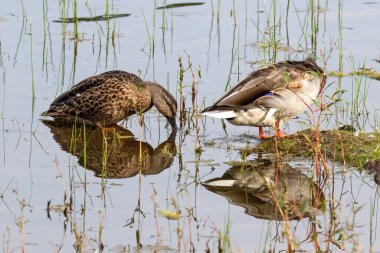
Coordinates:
(41, 165)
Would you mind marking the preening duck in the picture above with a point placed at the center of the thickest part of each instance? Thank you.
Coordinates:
(271, 95)
(110, 97)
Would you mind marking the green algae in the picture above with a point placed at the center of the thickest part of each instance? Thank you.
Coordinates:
(345, 147)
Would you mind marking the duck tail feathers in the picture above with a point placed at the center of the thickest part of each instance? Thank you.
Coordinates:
(221, 114)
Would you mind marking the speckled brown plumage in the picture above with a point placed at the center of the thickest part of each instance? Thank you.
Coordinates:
(123, 151)
(110, 97)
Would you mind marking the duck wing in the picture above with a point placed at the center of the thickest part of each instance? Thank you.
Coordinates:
(302, 82)
(283, 75)
(248, 90)
(96, 81)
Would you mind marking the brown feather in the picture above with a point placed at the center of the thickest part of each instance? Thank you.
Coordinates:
(126, 157)
(111, 97)
(283, 74)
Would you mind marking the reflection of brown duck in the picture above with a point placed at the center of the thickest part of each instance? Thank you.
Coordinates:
(120, 151)
(247, 186)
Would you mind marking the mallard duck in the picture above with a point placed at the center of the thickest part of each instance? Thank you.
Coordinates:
(271, 95)
(126, 156)
(258, 186)
(110, 97)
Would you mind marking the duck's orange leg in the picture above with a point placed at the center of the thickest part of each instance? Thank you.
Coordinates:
(279, 134)
(261, 134)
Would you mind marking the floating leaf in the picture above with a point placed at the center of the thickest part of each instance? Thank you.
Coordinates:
(90, 19)
(177, 5)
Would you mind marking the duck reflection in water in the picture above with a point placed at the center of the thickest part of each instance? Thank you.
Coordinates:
(118, 148)
(249, 186)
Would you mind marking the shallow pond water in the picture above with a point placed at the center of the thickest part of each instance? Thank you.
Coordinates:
(51, 203)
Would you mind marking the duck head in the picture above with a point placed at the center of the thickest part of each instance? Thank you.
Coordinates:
(163, 101)
(318, 70)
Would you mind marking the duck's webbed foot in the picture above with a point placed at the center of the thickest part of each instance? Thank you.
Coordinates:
(262, 135)
(279, 134)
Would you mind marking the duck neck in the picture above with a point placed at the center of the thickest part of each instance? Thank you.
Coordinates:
(163, 101)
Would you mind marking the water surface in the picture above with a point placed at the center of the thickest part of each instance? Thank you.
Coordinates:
(223, 41)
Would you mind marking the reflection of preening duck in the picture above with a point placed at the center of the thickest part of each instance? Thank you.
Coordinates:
(247, 186)
(110, 97)
(271, 95)
(120, 158)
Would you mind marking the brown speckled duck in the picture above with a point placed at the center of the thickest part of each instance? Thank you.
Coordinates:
(110, 97)
(271, 95)
(126, 156)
